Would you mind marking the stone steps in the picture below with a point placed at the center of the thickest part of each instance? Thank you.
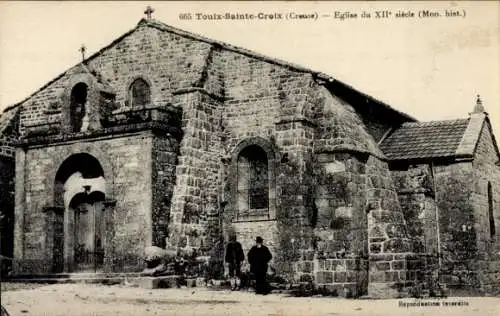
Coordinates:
(132, 279)
(129, 279)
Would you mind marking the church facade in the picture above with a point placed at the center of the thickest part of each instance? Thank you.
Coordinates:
(170, 139)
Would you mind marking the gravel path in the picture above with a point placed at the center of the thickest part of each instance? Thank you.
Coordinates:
(83, 300)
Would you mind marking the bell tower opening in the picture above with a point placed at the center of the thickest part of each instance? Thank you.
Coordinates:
(78, 108)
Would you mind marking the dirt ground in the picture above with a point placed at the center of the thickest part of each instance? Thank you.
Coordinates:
(82, 299)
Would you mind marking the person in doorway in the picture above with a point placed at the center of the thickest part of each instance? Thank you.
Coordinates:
(258, 257)
(234, 258)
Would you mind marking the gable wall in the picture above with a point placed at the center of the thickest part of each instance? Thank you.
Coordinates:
(486, 171)
(167, 61)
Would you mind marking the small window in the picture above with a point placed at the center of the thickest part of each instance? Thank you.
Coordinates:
(140, 93)
(78, 107)
(491, 210)
(253, 182)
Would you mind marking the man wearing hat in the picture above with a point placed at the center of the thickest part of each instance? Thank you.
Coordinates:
(258, 257)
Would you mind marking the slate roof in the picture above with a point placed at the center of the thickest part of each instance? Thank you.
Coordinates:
(419, 140)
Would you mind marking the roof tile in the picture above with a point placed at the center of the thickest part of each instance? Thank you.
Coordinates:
(425, 139)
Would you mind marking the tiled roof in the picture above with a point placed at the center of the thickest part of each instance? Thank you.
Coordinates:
(418, 140)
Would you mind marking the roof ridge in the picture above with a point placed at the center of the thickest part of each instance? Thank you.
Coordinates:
(165, 27)
(471, 136)
(71, 68)
(435, 122)
(426, 140)
(250, 53)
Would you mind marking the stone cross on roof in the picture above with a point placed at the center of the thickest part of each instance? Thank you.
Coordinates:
(149, 11)
(82, 50)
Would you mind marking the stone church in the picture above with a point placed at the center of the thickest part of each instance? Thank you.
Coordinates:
(170, 139)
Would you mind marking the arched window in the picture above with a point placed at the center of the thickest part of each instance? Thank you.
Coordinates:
(78, 106)
(253, 182)
(139, 93)
(490, 210)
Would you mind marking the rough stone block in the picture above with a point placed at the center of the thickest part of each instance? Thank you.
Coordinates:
(306, 278)
(324, 277)
(351, 276)
(375, 247)
(377, 276)
(339, 276)
(391, 276)
(382, 266)
(398, 265)
(160, 282)
(382, 290)
(397, 245)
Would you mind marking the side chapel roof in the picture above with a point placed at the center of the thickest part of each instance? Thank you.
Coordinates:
(418, 140)
(438, 139)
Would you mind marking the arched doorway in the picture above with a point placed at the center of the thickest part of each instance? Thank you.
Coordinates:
(80, 189)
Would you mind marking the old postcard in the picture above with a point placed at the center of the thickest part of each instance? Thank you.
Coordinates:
(250, 158)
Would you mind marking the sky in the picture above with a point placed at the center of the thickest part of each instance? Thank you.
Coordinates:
(431, 68)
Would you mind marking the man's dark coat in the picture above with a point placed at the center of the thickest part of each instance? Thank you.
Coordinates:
(234, 253)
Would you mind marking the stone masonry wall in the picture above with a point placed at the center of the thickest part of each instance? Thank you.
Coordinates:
(9, 124)
(195, 198)
(390, 249)
(228, 98)
(128, 181)
(454, 184)
(486, 170)
(164, 158)
(356, 199)
(295, 196)
(340, 228)
(7, 172)
(259, 97)
(9, 131)
(415, 188)
(168, 62)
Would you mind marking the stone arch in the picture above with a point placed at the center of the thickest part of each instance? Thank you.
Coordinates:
(66, 99)
(129, 85)
(263, 143)
(270, 151)
(82, 148)
(87, 166)
(139, 93)
(79, 193)
(78, 107)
